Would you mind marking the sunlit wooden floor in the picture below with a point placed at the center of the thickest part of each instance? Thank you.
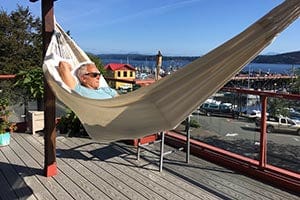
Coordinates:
(91, 170)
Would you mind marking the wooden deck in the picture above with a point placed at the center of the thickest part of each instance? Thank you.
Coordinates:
(93, 170)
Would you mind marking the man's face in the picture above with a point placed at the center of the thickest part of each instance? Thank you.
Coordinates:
(92, 77)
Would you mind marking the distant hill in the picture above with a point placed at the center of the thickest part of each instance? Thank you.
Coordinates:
(143, 57)
(285, 58)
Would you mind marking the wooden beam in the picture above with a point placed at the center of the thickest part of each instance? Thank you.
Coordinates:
(50, 168)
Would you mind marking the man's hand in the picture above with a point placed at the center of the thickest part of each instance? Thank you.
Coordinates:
(64, 70)
(64, 66)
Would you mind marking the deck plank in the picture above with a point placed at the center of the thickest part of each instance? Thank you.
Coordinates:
(29, 174)
(149, 175)
(35, 167)
(125, 176)
(163, 180)
(123, 181)
(8, 178)
(91, 170)
(6, 191)
(227, 182)
(98, 177)
(76, 173)
(252, 187)
(171, 180)
(67, 182)
(152, 178)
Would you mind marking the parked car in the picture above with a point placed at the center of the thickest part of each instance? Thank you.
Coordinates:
(253, 114)
(279, 124)
(222, 109)
(295, 116)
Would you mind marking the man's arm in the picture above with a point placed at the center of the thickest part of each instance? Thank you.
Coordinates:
(64, 70)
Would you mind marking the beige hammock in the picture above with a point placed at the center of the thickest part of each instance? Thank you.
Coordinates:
(164, 104)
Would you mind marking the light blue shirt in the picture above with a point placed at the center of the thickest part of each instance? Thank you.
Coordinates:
(100, 93)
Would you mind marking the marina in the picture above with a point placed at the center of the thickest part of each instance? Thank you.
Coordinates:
(175, 64)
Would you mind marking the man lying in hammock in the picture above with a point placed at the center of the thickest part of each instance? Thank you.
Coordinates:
(89, 81)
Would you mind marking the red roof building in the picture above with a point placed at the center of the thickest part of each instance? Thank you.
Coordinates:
(119, 66)
(121, 71)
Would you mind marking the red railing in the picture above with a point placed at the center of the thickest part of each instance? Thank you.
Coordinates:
(8, 76)
(256, 168)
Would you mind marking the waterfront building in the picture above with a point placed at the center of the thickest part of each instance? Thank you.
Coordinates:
(121, 71)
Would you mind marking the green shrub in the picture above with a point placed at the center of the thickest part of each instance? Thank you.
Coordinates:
(5, 125)
(71, 125)
(194, 123)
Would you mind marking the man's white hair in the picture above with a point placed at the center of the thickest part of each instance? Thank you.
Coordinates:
(82, 69)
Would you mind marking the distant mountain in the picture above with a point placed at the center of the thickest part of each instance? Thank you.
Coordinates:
(285, 58)
(143, 57)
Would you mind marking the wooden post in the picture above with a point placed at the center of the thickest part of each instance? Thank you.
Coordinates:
(162, 151)
(50, 168)
(263, 133)
(188, 137)
(158, 65)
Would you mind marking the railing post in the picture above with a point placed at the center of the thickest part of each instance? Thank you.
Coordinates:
(162, 143)
(188, 136)
(263, 133)
(138, 155)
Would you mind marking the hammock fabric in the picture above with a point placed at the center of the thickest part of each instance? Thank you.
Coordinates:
(164, 104)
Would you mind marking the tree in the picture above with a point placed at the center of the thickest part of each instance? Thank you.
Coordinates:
(97, 62)
(277, 106)
(21, 53)
(295, 87)
(31, 84)
(20, 41)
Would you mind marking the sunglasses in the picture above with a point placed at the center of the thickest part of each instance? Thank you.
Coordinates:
(93, 74)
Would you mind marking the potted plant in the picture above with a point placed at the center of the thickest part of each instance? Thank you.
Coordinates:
(71, 125)
(5, 125)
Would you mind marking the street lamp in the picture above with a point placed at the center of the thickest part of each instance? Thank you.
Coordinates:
(158, 64)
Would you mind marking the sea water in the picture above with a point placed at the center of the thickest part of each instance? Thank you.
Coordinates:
(287, 69)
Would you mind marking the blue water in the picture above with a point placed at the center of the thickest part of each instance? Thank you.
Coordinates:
(252, 67)
(272, 68)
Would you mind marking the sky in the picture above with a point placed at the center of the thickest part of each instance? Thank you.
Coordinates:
(175, 27)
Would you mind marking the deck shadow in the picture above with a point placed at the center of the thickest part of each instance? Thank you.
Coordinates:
(12, 183)
(103, 153)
